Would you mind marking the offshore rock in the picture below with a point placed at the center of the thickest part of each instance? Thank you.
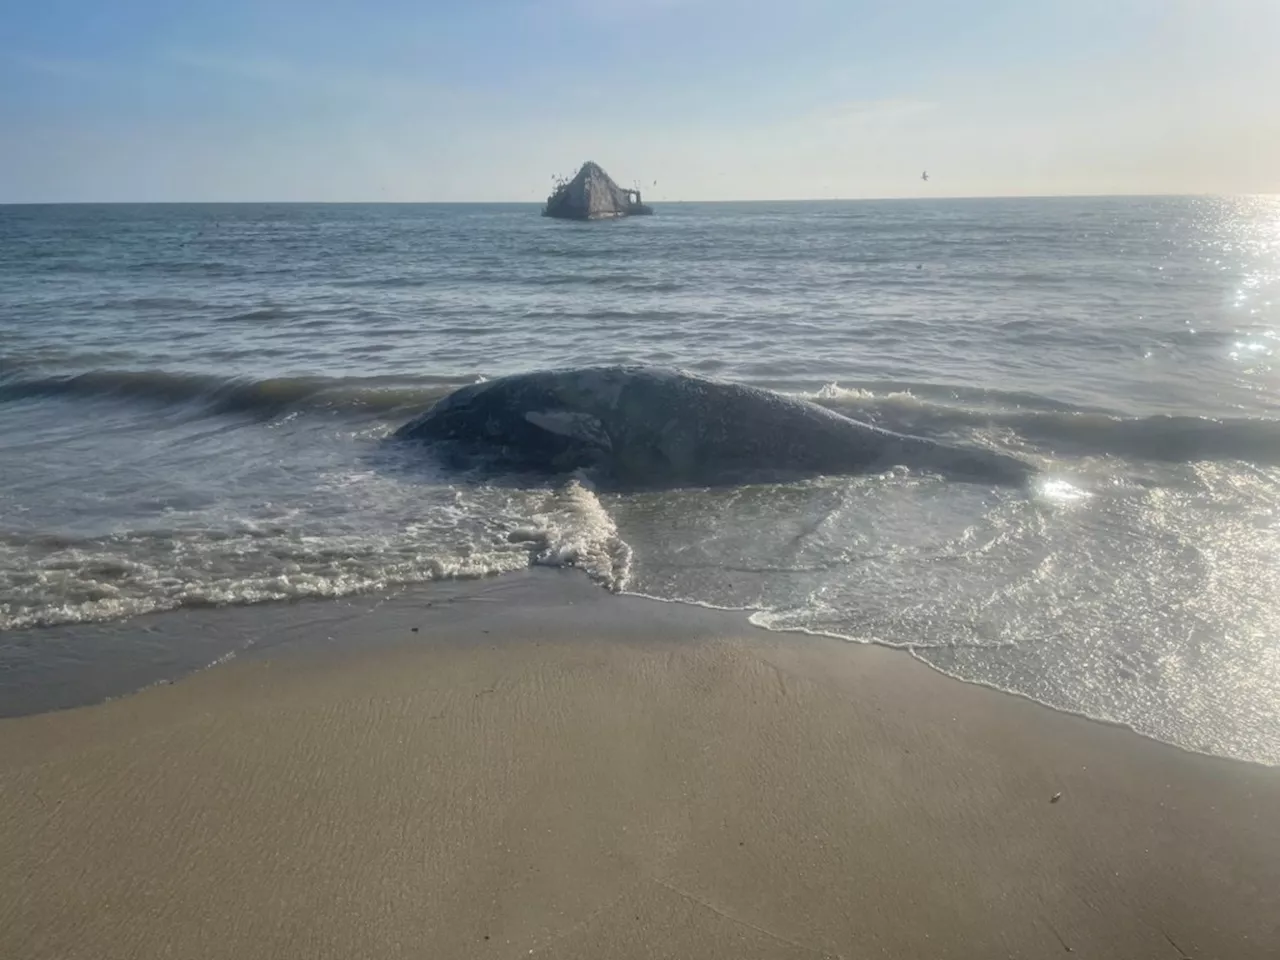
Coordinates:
(592, 195)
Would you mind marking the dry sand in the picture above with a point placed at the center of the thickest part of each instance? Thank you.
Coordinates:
(607, 777)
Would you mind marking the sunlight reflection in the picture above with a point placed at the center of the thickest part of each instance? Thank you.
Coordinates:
(1060, 491)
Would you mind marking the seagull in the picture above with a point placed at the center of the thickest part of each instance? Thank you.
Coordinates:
(925, 176)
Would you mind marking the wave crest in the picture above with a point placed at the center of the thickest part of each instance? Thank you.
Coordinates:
(1162, 437)
(1030, 424)
(212, 395)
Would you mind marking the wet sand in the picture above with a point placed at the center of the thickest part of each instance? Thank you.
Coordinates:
(542, 769)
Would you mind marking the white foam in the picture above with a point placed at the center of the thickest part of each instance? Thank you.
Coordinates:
(858, 395)
(833, 391)
(215, 573)
(575, 530)
(688, 602)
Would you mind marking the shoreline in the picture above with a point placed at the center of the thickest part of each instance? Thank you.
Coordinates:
(545, 769)
(248, 631)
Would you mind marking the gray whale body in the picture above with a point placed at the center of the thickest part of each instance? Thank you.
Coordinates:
(654, 426)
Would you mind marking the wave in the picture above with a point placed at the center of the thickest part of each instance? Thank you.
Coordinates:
(1161, 437)
(1023, 422)
(256, 315)
(211, 395)
(621, 282)
(1173, 439)
(48, 579)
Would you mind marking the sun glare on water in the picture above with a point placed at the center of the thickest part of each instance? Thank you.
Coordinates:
(1057, 490)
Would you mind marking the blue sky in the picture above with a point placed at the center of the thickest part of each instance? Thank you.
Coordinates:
(391, 100)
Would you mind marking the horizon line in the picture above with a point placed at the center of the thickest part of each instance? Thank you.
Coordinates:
(535, 203)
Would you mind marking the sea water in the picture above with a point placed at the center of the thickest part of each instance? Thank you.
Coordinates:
(193, 401)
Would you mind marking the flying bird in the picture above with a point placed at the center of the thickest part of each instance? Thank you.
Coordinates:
(925, 176)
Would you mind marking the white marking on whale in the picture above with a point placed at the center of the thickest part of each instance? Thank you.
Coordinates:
(579, 426)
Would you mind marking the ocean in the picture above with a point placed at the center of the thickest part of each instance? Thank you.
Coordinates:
(194, 401)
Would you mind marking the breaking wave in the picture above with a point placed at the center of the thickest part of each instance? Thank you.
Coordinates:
(1066, 430)
(1021, 422)
(211, 395)
(49, 580)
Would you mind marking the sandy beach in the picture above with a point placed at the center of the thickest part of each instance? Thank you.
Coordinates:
(543, 769)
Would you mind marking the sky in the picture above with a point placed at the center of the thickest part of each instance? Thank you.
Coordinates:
(487, 100)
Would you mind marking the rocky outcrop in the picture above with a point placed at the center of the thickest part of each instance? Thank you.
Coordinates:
(592, 195)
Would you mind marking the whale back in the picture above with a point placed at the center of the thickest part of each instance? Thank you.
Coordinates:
(662, 426)
(688, 427)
